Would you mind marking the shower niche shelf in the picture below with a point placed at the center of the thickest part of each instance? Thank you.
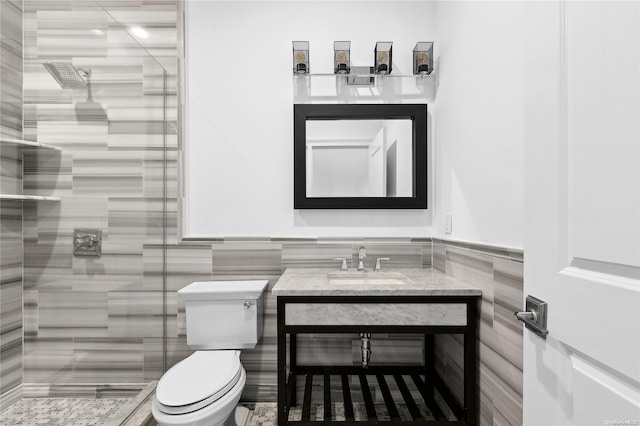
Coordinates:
(21, 145)
(15, 197)
(27, 144)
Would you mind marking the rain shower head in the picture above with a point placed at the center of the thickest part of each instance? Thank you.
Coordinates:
(67, 76)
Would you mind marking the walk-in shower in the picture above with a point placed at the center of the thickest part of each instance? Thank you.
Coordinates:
(89, 327)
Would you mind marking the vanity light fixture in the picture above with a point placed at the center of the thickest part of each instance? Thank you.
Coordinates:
(359, 75)
(382, 57)
(423, 58)
(341, 57)
(301, 57)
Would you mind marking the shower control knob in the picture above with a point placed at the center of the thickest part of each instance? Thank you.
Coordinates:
(85, 241)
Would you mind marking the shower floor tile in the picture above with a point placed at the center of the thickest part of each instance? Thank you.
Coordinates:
(62, 411)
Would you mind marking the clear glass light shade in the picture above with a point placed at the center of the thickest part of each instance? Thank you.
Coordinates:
(382, 57)
(423, 58)
(301, 57)
(341, 57)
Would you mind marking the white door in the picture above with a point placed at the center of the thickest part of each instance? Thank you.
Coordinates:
(582, 183)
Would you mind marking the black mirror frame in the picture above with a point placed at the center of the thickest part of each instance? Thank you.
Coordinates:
(417, 113)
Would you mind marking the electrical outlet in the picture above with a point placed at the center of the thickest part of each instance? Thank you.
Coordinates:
(448, 219)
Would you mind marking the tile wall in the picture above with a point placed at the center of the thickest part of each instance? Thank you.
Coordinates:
(10, 211)
(10, 302)
(499, 273)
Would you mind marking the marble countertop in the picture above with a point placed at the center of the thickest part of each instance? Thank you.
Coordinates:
(423, 282)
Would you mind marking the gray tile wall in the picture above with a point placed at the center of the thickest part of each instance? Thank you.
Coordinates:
(10, 211)
(11, 69)
(499, 273)
(87, 319)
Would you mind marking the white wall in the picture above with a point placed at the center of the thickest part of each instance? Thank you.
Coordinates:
(339, 172)
(240, 111)
(240, 96)
(479, 135)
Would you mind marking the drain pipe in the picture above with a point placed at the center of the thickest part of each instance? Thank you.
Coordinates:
(365, 347)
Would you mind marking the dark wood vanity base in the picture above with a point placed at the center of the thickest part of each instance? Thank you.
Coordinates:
(356, 380)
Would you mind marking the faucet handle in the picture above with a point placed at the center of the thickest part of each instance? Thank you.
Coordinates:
(378, 267)
(344, 263)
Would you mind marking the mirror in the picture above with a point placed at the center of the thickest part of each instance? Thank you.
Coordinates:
(360, 156)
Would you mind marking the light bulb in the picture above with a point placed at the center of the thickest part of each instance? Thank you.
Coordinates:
(301, 57)
(423, 58)
(382, 57)
(341, 57)
(139, 32)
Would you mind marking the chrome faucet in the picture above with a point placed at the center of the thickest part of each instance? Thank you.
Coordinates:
(344, 263)
(361, 255)
(378, 266)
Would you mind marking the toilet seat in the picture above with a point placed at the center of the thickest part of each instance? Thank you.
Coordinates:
(198, 381)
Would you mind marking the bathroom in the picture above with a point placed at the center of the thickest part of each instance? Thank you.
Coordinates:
(106, 327)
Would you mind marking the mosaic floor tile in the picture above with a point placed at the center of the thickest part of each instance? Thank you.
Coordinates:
(264, 414)
(62, 411)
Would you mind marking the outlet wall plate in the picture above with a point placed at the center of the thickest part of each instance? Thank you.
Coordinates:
(87, 242)
(448, 223)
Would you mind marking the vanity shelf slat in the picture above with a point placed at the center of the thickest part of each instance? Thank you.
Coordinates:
(366, 395)
(346, 395)
(355, 380)
(388, 399)
(327, 398)
(428, 398)
(306, 405)
(406, 395)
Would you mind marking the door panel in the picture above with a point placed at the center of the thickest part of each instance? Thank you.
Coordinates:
(603, 71)
(582, 183)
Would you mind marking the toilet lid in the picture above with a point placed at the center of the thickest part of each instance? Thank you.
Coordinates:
(198, 380)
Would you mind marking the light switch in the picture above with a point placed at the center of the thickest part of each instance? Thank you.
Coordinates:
(448, 218)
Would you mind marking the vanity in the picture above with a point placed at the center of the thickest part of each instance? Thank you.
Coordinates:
(417, 301)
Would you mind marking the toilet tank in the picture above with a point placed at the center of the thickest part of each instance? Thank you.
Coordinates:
(224, 314)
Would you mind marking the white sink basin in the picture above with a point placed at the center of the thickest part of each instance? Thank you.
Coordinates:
(367, 278)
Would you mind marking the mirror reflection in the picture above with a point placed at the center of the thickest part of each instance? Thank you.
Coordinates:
(359, 158)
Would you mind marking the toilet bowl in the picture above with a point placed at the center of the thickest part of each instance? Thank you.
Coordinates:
(204, 388)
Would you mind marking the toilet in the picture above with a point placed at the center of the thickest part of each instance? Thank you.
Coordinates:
(223, 317)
